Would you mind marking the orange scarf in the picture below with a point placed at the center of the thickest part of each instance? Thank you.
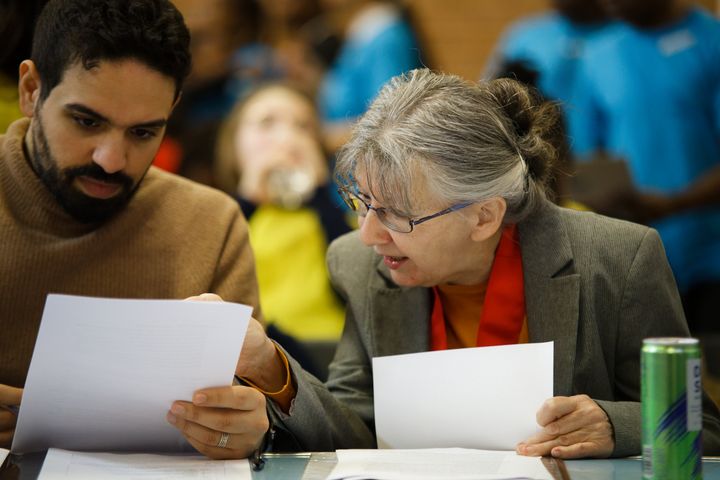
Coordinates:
(503, 312)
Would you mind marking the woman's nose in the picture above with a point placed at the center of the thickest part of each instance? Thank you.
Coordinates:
(372, 230)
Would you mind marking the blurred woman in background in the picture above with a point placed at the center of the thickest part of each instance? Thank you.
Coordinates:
(271, 159)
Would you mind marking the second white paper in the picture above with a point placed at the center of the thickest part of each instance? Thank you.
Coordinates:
(483, 397)
(105, 372)
(63, 465)
(436, 463)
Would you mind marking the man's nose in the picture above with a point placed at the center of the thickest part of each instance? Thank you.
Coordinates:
(111, 153)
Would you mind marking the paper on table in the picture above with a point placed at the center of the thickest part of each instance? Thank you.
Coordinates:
(105, 372)
(435, 464)
(3, 455)
(63, 464)
(483, 397)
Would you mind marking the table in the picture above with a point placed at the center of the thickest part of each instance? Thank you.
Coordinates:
(317, 465)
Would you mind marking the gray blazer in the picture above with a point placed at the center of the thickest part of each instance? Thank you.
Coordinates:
(594, 285)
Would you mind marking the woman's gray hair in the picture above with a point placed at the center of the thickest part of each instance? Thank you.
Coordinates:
(467, 141)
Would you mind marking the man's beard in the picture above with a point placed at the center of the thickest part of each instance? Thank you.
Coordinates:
(82, 207)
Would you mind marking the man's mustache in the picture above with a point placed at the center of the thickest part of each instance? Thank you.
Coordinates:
(96, 172)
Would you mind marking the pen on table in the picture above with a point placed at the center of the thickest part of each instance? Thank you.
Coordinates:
(257, 461)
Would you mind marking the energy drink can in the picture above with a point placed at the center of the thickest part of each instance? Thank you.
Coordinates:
(671, 409)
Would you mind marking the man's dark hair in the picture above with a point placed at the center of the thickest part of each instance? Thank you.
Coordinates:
(89, 31)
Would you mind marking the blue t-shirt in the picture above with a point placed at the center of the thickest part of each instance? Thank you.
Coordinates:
(552, 45)
(363, 66)
(652, 97)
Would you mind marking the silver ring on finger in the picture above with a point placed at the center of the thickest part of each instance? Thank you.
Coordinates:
(224, 437)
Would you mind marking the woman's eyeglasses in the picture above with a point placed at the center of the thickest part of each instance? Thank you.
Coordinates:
(393, 221)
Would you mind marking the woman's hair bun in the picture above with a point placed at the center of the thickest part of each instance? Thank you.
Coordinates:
(535, 125)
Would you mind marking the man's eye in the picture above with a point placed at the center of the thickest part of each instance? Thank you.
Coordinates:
(86, 122)
(143, 133)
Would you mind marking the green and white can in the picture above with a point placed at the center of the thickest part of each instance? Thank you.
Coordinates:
(671, 388)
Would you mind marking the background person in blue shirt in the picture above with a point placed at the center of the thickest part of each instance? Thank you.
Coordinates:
(552, 44)
(379, 43)
(650, 94)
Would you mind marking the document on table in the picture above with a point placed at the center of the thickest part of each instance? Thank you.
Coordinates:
(64, 464)
(484, 397)
(105, 372)
(436, 464)
(3, 455)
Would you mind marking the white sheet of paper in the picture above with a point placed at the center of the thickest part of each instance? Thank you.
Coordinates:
(483, 397)
(436, 464)
(63, 464)
(105, 372)
(3, 454)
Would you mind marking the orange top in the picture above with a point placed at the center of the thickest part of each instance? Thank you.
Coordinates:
(462, 307)
(486, 314)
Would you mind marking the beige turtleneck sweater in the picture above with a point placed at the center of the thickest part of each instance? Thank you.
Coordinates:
(175, 239)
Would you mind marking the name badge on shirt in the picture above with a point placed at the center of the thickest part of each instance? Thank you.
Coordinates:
(676, 42)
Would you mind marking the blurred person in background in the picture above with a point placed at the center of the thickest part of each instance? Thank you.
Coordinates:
(271, 159)
(650, 94)
(295, 42)
(651, 97)
(218, 28)
(237, 45)
(378, 42)
(551, 45)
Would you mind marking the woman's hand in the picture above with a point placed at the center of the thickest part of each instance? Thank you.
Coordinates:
(259, 360)
(573, 427)
(9, 397)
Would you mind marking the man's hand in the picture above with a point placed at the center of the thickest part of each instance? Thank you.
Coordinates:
(9, 397)
(573, 427)
(234, 416)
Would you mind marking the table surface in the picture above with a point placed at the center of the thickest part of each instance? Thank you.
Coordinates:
(317, 466)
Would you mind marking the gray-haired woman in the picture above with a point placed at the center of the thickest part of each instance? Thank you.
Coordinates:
(458, 246)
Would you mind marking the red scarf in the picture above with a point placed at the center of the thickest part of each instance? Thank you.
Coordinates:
(503, 312)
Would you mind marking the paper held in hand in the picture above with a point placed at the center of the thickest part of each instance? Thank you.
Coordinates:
(105, 372)
(483, 397)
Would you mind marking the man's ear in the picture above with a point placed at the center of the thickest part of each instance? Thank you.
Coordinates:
(177, 100)
(490, 216)
(28, 87)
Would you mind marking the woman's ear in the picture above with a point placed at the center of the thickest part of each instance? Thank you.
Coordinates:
(28, 87)
(490, 216)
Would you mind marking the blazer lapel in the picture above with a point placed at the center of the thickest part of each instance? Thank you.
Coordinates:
(552, 291)
(399, 317)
